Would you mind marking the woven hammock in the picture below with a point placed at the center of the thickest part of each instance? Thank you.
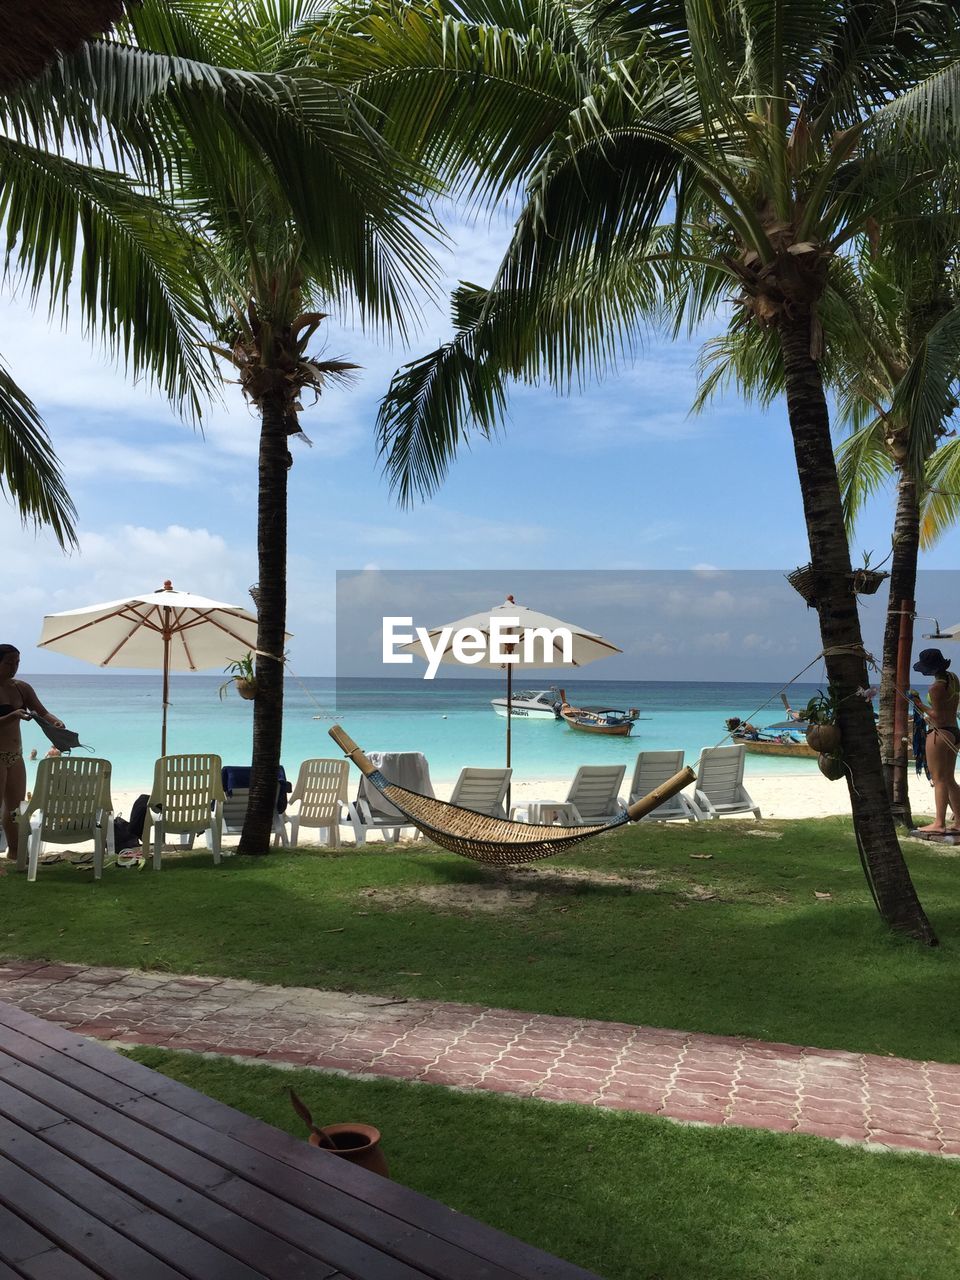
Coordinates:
(495, 840)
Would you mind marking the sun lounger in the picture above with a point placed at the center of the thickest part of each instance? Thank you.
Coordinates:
(482, 790)
(319, 800)
(592, 799)
(71, 802)
(653, 768)
(236, 798)
(186, 800)
(720, 791)
(371, 811)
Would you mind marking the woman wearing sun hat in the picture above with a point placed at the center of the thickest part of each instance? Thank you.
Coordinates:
(943, 740)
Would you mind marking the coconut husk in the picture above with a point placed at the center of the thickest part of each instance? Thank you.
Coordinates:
(34, 33)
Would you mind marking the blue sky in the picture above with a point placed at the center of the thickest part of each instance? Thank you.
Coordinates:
(617, 477)
(693, 624)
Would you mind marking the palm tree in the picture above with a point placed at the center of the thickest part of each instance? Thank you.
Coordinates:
(345, 227)
(764, 129)
(88, 164)
(898, 390)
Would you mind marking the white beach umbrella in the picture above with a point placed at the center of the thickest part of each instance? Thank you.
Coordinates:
(527, 640)
(163, 630)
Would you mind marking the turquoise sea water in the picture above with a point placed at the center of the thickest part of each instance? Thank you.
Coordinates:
(449, 720)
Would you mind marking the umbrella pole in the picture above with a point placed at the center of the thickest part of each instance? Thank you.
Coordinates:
(509, 716)
(166, 679)
(509, 707)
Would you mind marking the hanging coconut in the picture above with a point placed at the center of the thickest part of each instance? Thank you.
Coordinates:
(831, 766)
(824, 737)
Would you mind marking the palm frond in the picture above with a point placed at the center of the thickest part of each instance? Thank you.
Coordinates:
(29, 472)
(477, 104)
(940, 501)
(863, 467)
(867, 52)
(138, 272)
(430, 411)
(306, 137)
(924, 115)
(745, 357)
(582, 328)
(926, 396)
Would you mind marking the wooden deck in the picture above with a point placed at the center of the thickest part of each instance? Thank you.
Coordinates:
(110, 1170)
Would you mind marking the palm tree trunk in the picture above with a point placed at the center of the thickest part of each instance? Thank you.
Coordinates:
(836, 606)
(903, 586)
(272, 622)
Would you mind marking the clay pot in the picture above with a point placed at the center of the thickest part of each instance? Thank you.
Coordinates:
(358, 1143)
(824, 737)
(831, 767)
(246, 688)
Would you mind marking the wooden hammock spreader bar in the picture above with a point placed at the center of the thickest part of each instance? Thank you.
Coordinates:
(495, 840)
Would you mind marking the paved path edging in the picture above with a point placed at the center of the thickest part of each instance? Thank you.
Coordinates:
(890, 1103)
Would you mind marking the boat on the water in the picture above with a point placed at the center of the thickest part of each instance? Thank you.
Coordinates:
(778, 747)
(531, 704)
(783, 739)
(610, 721)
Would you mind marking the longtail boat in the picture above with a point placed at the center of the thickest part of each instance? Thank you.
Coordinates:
(610, 721)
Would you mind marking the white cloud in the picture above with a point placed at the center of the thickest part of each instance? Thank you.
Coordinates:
(106, 458)
(714, 641)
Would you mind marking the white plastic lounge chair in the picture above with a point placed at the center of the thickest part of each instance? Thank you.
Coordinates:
(236, 800)
(594, 794)
(188, 792)
(71, 802)
(372, 811)
(483, 791)
(593, 799)
(720, 790)
(654, 768)
(320, 797)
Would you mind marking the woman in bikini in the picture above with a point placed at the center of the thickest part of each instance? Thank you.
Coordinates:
(18, 702)
(943, 739)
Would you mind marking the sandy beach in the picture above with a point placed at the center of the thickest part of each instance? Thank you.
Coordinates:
(784, 796)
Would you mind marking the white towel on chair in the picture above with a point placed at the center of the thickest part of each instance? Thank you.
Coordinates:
(408, 769)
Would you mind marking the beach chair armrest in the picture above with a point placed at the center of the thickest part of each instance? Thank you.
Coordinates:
(359, 812)
(704, 803)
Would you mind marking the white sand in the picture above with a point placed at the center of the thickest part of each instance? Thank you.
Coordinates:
(779, 796)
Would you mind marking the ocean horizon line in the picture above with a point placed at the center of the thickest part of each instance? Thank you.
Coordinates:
(526, 681)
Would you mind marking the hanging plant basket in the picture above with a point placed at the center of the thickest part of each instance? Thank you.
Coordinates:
(824, 738)
(801, 579)
(831, 767)
(246, 688)
(867, 582)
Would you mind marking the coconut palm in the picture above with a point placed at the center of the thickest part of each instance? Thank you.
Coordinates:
(346, 227)
(765, 130)
(899, 391)
(892, 331)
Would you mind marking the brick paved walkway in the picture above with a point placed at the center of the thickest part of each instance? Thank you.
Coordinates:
(718, 1080)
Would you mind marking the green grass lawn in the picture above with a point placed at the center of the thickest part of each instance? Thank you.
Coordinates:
(737, 943)
(630, 1196)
